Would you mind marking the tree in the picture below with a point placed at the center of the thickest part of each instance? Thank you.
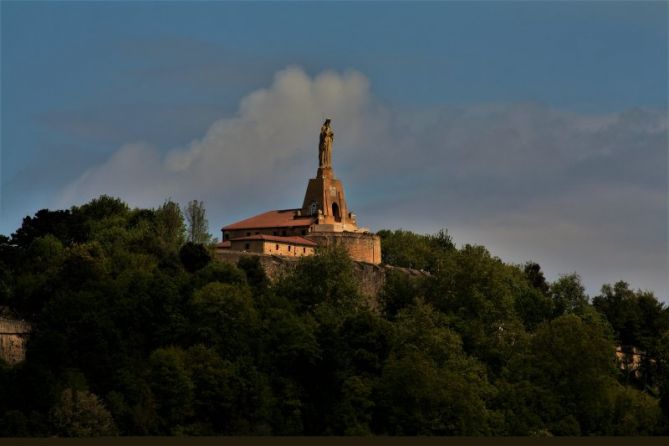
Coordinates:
(229, 396)
(417, 397)
(171, 385)
(568, 295)
(399, 291)
(565, 377)
(636, 316)
(194, 256)
(410, 250)
(198, 226)
(480, 292)
(226, 317)
(80, 413)
(170, 226)
(428, 385)
(535, 277)
(326, 277)
(57, 223)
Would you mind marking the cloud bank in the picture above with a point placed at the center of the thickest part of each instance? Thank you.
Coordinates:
(574, 192)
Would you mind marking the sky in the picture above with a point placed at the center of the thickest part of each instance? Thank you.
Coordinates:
(536, 129)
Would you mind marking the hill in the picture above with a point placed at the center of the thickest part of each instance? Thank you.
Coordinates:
(136, 332)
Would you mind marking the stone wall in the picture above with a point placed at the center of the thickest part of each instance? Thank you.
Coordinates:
(285, 249)
(13, 339)
(361, 246)
(274, 266)
(299, 231)
(370, 277)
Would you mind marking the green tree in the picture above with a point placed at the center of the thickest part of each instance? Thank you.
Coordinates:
(79, 413)
(399, 291)
(225, 317)
(416, 397)
(172, 387)
(535, 277)
(60, 224)
(565, 377)
(479, 293)
(428, 385)
(198, 226)
(217, 271)
(170, 227)
(255, 273)
(407, 249)
(568, 295)
(635, 412)
(231, 397)
(636, 316)
(194, 256)
(326, 277)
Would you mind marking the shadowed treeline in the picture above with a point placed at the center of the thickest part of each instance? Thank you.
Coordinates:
(136, 332)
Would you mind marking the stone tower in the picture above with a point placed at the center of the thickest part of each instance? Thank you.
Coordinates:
(323, 220)
(324, 199)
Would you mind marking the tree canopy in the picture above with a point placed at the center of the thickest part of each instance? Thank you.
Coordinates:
(139, 330)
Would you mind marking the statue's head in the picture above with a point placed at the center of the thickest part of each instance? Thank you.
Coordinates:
(327, 122)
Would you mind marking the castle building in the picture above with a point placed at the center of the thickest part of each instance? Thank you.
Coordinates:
(323, 220)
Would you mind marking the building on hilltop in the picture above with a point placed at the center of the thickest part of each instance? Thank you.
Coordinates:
(323, 220)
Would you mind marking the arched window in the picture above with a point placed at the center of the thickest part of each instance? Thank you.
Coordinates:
(335, 212)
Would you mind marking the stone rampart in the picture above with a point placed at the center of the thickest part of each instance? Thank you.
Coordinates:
(13, 338)
(361, 246)
(370, 277)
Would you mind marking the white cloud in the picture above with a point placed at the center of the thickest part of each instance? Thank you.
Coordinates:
(571, 191)
(238, 156)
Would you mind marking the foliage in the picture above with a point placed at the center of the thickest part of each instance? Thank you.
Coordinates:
(568, 295)
(194, 256)
(137, 331)
(423, 252)
(170, 227)
(198, 226)
(80, 413)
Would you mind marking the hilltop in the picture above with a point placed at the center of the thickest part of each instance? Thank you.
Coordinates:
(136, 331)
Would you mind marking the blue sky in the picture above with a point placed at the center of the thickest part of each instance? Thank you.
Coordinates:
(537, 129)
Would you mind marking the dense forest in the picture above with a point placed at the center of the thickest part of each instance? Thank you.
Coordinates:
(137, 331)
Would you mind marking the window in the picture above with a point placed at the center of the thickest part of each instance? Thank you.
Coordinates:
(227, 236)
(257, 233)
(283, 233)
(247, 246)
(288, 248)
(335, 212)
(304, 232)
(274, 233)
(304, 249)
(277, 247)
(248, 233)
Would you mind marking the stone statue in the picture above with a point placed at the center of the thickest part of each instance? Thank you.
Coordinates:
(325, 145)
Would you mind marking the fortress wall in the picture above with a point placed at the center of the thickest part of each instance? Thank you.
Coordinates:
(362, 247)
(370, 277)
(13, 339)
(274, 266)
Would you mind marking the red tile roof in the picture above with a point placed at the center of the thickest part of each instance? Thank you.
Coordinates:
(272, 219)
(275, 238)
(224, 244)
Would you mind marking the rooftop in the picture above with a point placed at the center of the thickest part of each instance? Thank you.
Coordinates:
(272, 219)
